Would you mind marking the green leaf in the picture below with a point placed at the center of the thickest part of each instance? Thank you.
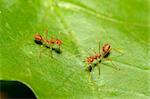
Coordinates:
(122, 23)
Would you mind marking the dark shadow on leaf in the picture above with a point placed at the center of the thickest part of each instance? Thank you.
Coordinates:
(15, 89)
(57, 50)
(38, 42)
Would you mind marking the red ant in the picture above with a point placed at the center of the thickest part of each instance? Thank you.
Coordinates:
(98, 57)
(48, 42)
(39, 38)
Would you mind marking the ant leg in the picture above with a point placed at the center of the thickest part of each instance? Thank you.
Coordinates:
(59, 47)
(91, 54)
(99, 45)
(88, 68)
(59, 34)
(117, 50)
(93, 50)
(114, 66)
(99, 70)
(91, 80)
(59, 37)
(46, 34)
(51, 48)
(89, 76)
(40, 52)
(51, 52)
(99, 48)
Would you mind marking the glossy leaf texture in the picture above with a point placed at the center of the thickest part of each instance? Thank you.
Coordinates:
(124, 24)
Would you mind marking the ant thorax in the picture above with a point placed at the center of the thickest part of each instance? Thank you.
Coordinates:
(52, 41)
(89, 59)
(97, 56)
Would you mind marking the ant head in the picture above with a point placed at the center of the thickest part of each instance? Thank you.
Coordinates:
(58, 42)
(38, 37)
(106, 48)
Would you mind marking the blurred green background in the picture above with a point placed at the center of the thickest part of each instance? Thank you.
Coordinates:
(122, 23)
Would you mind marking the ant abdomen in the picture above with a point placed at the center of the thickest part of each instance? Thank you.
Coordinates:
(106, 48)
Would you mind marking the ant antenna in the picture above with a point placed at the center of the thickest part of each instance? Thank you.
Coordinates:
(93, 50)
(99, 43)
(99, 48)
(59, 35)
(46, 33)
(90, 52)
